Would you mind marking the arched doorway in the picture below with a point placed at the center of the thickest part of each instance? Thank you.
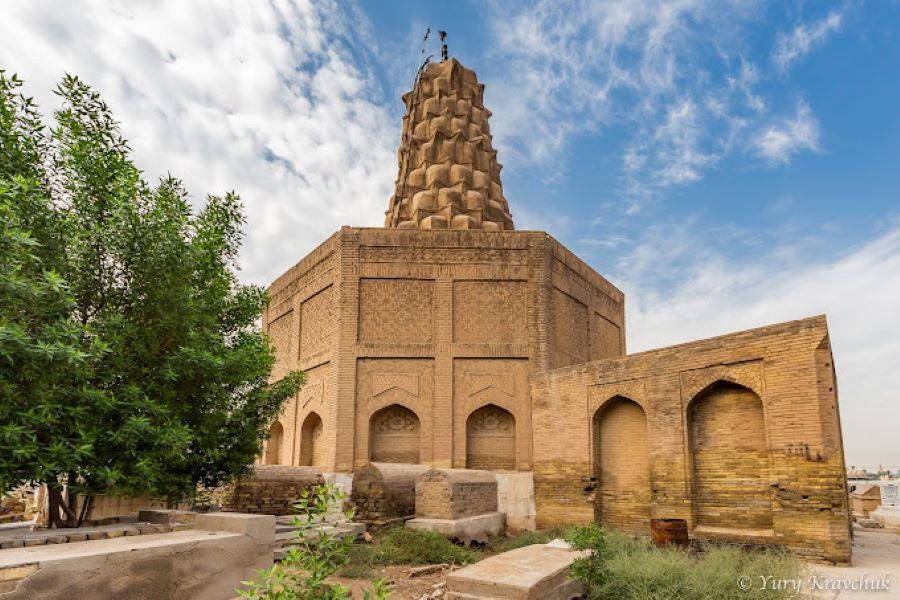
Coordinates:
(730, 461)
(273, 444)
(394, 435)
(491, 439)
(311, 441)
(622, 466)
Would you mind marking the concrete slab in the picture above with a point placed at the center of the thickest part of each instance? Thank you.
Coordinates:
(536, 572)
(193, 564)
(467, 529)
(876, 557)
(886, 516)
(50, 553)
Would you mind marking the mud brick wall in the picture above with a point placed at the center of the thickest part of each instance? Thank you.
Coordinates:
(739, 435)
(455, 493)
(268, 490)
(418, 344)
(384, 491)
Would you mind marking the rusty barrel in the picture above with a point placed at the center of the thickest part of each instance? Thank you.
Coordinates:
(669, 532)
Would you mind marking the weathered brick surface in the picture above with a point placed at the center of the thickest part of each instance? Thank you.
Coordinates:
(419, 341)
(455, 493)
(441, 328)
(449, 176)
(623, 477)
(384, 491)
(269, 490)
(742, 433)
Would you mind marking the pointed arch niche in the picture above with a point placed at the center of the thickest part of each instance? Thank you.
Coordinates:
(394, 434)
(730, 461)
(311, 441)
(622, 466)
(273, 443)
(491, 439)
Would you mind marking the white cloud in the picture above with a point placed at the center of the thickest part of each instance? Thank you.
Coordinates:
(674, 75)
(263, 98)
(679, 288)
(780, 141)
(793, 46)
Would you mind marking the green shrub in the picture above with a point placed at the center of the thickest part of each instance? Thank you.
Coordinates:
(624, 568)
(402, 546)
(317, 555)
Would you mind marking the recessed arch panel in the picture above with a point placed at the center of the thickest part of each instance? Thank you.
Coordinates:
(311, 441)
(394, 434)
(273, 443)
(491, 439)
(730, 460)
(622, 466)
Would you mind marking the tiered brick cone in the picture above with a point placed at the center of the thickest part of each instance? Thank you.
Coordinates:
(449, 175)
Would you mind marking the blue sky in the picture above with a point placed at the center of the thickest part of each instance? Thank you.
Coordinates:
(727, 164)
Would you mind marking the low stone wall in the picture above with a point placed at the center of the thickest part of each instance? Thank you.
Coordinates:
(385, 491)
(105, 507)
(455, 493)
(206, 563)
(269, 490)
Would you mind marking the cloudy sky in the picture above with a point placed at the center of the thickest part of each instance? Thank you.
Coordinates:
(726, 164)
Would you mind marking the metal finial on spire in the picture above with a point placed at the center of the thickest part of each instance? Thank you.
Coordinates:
(443, 36)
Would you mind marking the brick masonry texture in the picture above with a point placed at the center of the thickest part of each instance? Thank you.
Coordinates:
(268, 490)
(448, 175)
(385, 491)
(450, 340)
(742, 440)
(455, 494)
(437, 348)
(418, 344)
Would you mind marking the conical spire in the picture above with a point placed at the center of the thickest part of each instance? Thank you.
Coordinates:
(449, 177)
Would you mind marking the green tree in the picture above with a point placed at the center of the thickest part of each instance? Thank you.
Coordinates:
(161, 379)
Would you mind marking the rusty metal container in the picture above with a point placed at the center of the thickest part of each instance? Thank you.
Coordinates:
(669, 532)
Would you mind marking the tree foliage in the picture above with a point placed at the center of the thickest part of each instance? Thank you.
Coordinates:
(130, 357)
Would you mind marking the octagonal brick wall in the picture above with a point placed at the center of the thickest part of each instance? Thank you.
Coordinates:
(440, 323)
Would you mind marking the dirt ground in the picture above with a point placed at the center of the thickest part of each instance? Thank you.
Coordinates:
(402, 586)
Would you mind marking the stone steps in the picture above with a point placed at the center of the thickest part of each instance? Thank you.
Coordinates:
(286, 535)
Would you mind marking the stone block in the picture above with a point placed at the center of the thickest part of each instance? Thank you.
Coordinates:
(455, 493)
(188, 565)
(515, 499)
(479, 528)
(536, 572)
(257, 527)
(268, 489)
(385, 491)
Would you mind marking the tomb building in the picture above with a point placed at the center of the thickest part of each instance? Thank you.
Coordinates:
(452, 340)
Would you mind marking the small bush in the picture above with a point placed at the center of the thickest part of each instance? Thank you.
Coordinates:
(624, 568)
(303, 571)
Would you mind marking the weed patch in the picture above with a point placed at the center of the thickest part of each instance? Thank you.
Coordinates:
(624, 568)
